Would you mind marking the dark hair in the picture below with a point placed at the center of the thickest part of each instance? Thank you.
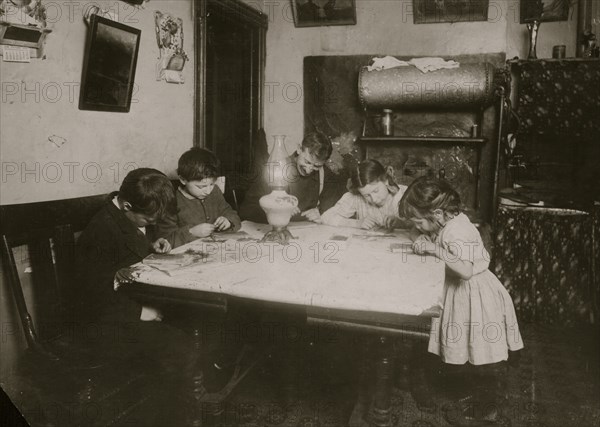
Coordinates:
(197, 164)
(424, 195)
(318, 145)
(148, 191)
(367, 172)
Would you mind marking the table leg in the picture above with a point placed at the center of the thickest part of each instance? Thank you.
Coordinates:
(373, 406)
(380, 414)
(203, 411)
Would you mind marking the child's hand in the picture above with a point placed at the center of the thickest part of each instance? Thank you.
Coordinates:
(222, 223)
(202, 230)
(422, 245)
(161, 246)
(312, 215)
(368, 223)
(414, 234)
(391, 222)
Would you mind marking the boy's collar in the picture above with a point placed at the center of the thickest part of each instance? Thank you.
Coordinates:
(185, 193)
(119, 217)
(189, 196)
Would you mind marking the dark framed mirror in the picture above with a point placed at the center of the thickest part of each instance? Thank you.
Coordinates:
(111, 52)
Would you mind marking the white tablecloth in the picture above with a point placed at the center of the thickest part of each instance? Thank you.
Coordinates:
(316, 270)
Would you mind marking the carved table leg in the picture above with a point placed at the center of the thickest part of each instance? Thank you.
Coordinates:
(373, 406)
(203, 411)
(380, 414)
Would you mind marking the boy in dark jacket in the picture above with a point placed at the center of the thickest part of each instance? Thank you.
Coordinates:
(116, 238)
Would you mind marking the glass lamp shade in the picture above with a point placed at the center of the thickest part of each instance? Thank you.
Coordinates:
(276, 165)
(278, 205)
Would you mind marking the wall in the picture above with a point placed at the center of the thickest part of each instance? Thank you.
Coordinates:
(40, 99)
(160, 124)
(384, 27)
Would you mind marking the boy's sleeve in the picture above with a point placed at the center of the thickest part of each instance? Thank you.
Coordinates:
(228, 212)
(334, 187)
(169, 228)
(96, 258)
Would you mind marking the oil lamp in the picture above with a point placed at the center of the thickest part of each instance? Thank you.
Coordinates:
(278, 205)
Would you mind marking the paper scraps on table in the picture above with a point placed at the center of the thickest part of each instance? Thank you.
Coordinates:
(368, 235)
(172, 264)
(401, 247)
(228, 236)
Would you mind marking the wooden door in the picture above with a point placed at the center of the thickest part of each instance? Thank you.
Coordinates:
(230, 70)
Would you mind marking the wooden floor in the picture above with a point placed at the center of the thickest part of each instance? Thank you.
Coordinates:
(556, 384)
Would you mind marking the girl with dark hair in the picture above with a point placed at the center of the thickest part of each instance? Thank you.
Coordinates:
(372, 199)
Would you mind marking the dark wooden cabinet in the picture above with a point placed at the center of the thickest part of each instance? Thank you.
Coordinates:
(547, 231)
(230, 40)
(557, 103)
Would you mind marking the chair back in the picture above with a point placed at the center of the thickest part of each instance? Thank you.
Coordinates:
(41, 236)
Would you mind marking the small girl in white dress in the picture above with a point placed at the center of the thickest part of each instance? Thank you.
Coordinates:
(372, 200)
(478, 325)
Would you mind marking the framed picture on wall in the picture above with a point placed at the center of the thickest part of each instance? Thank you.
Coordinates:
(437, 11)
(109, 66)
(316, 13)
(544, 10)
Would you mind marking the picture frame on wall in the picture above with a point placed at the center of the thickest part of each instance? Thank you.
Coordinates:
(110, 61)
(551, 10)
(317, 13)
(438, 11)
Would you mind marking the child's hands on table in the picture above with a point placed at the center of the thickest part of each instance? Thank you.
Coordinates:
(414, 234)
(368, 223)
(422, 245)
(222, 223)
(202, 230)
(391, 222)
(161, 246)
(312, 215)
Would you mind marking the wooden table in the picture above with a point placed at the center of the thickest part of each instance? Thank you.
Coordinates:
(346, 277)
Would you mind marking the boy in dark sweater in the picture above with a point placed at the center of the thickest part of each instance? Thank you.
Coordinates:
(201, 207)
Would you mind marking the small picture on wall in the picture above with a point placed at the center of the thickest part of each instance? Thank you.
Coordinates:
(109, 66)
(544, 10)
(316, 13)
(436, 11)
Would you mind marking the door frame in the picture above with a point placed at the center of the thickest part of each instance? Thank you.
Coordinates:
(245, 13)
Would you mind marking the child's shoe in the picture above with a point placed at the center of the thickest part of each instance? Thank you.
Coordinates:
(471, 413)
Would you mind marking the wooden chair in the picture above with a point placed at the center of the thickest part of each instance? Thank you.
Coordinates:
(51, 255)
(45, 231)
(56, 363)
